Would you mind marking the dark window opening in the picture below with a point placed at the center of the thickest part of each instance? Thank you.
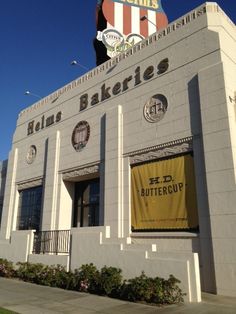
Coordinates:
(86, 205)
(29, 209)
(0, 214)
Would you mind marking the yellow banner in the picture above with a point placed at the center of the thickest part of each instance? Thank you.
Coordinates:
(163, 195)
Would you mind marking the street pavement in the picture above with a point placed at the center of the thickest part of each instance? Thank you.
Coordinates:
(29, 298)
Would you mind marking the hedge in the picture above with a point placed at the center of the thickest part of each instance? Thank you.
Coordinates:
(107, 282)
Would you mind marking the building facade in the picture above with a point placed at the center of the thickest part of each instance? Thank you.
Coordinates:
(134, 163)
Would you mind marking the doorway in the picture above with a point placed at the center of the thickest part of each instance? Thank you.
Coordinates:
(86, 203)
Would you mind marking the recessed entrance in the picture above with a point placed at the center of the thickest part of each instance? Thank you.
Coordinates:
(86, 203)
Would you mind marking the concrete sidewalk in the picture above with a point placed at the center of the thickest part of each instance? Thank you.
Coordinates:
(28, 298)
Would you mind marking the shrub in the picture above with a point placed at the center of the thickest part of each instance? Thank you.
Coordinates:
(110, 281)
(86, 278)
(106, 282)
(172, 292)
(136, 289)
(152, 290)
(6, 268)
(53, 276)
(31, 272)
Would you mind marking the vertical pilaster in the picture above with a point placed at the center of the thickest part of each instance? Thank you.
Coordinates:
(52, 156)
(114, 215)
(10, 196)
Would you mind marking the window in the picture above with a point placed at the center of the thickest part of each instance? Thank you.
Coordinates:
(29, 210)
(86, 205)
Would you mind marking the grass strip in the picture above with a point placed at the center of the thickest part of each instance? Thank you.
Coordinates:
(4, 311)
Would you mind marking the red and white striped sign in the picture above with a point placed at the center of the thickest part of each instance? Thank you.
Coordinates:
(126, 17)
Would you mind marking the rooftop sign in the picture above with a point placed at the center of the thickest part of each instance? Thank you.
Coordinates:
(147, 4)
(126, 25)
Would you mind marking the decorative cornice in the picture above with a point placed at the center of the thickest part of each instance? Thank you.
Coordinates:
(80, 172)
(186, 19)
(159, 151)
(26, 184)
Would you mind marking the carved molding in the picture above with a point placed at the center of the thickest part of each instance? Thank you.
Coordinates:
(162, 150)
(80, 172)
(29, 183)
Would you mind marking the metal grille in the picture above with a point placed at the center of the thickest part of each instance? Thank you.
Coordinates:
(54, 241)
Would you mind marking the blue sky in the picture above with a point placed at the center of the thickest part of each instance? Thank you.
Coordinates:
(39, 39)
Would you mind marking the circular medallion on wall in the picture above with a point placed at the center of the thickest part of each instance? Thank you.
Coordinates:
(155, 108)
(80, 135)
(31, 154)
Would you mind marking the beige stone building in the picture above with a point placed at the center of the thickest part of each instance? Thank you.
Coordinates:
(134, 164)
